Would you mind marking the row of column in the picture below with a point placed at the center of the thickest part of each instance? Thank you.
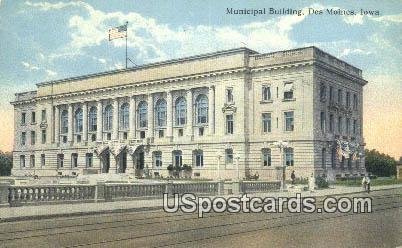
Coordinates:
(132, 120)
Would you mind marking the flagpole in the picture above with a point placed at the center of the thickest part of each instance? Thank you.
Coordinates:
(126, 41)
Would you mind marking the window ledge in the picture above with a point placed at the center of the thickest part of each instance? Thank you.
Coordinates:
(288, 100)
(266, 101)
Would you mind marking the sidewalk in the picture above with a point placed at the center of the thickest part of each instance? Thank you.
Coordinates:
(58, 210)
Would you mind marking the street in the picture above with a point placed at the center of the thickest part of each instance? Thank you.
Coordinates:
(382, 228)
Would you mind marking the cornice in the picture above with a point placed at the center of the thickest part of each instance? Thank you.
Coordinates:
(135, 85)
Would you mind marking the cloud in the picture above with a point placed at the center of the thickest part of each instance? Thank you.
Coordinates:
(51, 73)
(353, 19)
(349, 51)
(29, 67)
(387, 19)
(46, 6)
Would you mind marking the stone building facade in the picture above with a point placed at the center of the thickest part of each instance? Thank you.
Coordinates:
(224, 114)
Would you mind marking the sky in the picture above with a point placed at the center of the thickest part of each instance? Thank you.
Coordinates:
(47, 40)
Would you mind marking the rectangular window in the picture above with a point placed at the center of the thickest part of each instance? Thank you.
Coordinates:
(229, 124)
(201, 131)
(355, 127)
(323, 92)
(355, 103)
(23, 118)
(340, 129)
(33, 117)
(42, 160)
(161, 134)
(22, 161)
(340, 96)
(33, 137)
(43, 136)
(322, 121)
(74, 160)
(266, 93)
(142, 135)
(266, 157)
(229, 95)
(347, 126)
(60, 160)
(266, 122)
(108, 136)
(288, 153)
(331, 93)
(199, 158)
(288, 91)
(289, 121)
(158, 159)
(43, 115)
(32, 161)
(89, 160)
(348, 99)
(23, 138)
(78, 138)
(180, 132)
(177, 158)
(125, 135)
(331, 123)
(229, 156)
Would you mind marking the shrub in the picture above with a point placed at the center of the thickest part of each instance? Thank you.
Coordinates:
(321, 182)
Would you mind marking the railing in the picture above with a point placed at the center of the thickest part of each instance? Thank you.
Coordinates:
(49, 194)
(247, 187)
(22, 195)
(121, 191)
(199, 187)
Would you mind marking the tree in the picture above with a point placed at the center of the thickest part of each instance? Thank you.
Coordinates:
(380, 164)
(6, 163)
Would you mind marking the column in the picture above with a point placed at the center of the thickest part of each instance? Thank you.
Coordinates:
(56, 124)
(50, 125)
(150, 115)
(211, 110)
(169, 122)
(70, 137)
(85, 122)
(189, 100)
(99, 121)
(115, 125)
(132, 118)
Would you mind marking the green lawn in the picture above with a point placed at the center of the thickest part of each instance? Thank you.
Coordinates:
(374, 182)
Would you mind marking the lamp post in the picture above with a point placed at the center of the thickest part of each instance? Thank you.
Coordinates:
(281, 145)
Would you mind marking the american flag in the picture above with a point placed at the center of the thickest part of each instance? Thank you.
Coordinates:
(118, 32)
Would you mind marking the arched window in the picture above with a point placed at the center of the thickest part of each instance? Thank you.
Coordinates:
(92, 119)
(160, 113)
(181, 111)
(108, 118)
(78, 121)
(201, 105)
(124, 114)
(64, 122)
(142, 114)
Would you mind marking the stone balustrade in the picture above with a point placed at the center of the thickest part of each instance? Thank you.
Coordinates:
(23, 195)
(11, 195)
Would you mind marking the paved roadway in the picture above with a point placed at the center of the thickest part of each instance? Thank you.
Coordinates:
(382, 228)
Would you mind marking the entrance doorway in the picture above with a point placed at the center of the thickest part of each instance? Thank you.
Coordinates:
(139, 156)
(105, 162)
(123, 161)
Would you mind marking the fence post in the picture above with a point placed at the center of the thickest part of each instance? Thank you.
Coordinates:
(4, 186)
(221, 187)
(169, 188)
(100, 194)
